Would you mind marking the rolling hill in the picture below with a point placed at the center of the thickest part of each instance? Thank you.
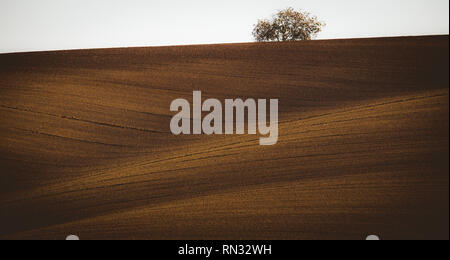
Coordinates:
(86, 148)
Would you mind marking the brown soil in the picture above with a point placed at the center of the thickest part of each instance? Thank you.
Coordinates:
(86, 149)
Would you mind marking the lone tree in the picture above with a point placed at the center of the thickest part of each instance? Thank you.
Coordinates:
(288, 25)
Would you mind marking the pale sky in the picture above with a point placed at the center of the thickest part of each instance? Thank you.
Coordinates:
(35, 25)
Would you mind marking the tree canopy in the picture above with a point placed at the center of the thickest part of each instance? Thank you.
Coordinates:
(288, 25)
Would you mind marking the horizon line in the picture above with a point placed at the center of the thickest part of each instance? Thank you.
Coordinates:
(223, 43)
